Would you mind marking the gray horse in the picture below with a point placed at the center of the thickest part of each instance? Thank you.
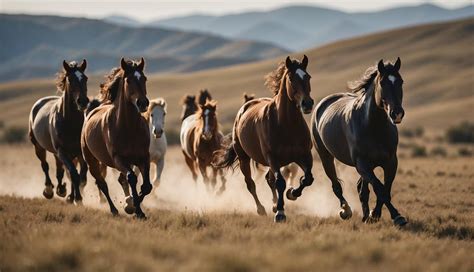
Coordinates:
(358, 129)
(55, 125)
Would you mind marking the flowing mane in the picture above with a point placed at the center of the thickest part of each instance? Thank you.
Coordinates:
(109, 89)
(363, 83)
(61, 78)
(273, 79)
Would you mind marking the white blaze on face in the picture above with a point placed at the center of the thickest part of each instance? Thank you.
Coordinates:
(78, 75)
(206, 120)
(157, 118)
(137, 75)
(392, 78)
(300, 73)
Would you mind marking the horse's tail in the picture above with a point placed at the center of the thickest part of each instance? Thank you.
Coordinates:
(225, 157)
(94, 103)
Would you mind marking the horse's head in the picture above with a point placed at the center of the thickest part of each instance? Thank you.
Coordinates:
(135, 83)
(76, 82)
(156, 114)
(209, 119)
(248, 97)
(298, 86)
(389, 91)
(204, 96)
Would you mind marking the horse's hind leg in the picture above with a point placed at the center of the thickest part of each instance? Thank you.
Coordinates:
(129, 206)
(192, 165)
(223, 180)
(270, 177)
(363, 189)
(61, 189)
(41, 154)
(245, 168)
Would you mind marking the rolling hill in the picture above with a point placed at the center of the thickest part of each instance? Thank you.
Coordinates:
(308, 26)
(33, 46)
(437, 67)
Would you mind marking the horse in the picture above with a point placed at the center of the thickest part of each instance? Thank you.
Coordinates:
(273, 133)
(55, 124)
(200, 138)
(116, 135)
(359, 129)
(189, 106)
(204, 96)
(156, 117)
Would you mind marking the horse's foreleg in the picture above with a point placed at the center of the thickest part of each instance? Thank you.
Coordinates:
(223, 180)
(363, 190)
(192, 165)
(61, 189)
(160, 165)
(82, 173)
(306, 164)
(75, 194)
(270, 177)
(146, 187)
(203, 170)
(390, 171)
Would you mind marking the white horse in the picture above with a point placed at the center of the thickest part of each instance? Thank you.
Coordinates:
(156, 118)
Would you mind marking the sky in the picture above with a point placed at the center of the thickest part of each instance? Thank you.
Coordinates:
(147, 10)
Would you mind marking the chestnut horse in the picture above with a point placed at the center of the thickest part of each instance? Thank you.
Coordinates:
(273, 132)
(358, 129)
(200, 137)
(116, 135)
(55, 124)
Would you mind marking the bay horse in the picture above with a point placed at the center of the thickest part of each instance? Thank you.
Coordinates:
(200, 138)
(359, 129)
(189, 106)
(55, 124)
(273, 133)
(116, 135)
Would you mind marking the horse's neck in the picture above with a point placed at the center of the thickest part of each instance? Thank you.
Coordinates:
(373, 114)
(68, 108)
(287, 111)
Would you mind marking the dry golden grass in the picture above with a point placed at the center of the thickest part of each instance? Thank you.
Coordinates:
(190, 230)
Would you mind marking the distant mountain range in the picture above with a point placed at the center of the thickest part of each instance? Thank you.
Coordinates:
(300, 27)
(34, 46)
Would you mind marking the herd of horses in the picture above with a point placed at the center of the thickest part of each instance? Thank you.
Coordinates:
(122, 129)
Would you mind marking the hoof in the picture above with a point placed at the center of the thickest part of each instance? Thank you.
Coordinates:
(141, 216)
(400, 221)
(114, 212)
(373, 218)
(345, 212)
(70, 199)
(129, 207)
(48, 192)
(289, 194)
(78, 202)
(280, 217)
(61, 190)
(261, 211)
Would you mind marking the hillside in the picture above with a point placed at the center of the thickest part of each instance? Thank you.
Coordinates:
(33, 46)
(311, 25)
(437, 67)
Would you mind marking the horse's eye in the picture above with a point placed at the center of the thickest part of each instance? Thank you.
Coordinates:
(152, 115)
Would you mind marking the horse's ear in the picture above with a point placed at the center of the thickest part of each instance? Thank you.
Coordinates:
(141, 65)
(83, 65)
(193, 97)
(381, 67)
(288, 63)
(304, 62)
(123, 64)
(66, 66)
(397, 65)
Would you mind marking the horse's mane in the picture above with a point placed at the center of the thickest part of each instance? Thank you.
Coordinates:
(109, 89)
(362, 84)
(204, 96)
(154, 103)
(273, 79)
(61, 78)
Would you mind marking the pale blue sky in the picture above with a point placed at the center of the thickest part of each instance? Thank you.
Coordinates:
(145, 10)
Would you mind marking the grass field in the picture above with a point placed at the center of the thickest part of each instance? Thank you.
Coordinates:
(191, 230)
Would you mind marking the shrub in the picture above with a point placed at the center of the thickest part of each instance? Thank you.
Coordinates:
(439, 151)
(414, 132)
(418, 151)
(464, 152)
(13, 135)
(461, 133)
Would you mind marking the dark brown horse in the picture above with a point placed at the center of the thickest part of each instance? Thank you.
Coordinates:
(55, 125)
(116, 135)
(200, 137)
(358, 129)
(204, 96)
(189, 106)
(273, 132)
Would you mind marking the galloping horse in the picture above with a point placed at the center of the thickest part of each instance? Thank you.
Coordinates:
(116, 135)
(156, 117)
(200, 137)
(189, 106)
(359, 129)
(273, 132)
(55, 124)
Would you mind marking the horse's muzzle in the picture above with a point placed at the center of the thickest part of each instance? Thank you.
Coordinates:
(82, 102)
(397, 115)
(157, 133)
(207, 136)
(307, 105)
(142, 104)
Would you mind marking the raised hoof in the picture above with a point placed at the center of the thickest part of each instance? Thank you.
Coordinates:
(70, 199)
(261, 211)
(280, 217)
(400, 221)
(61, 190)
(289, 194)
(345, 213)
(48, 192)
(129, 207)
